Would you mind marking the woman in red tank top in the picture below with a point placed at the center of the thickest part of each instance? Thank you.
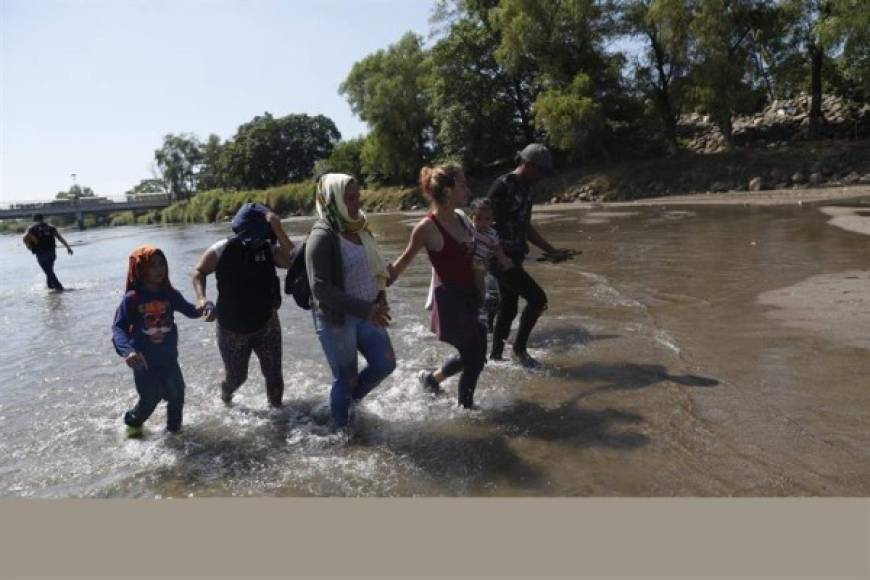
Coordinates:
(449, 242)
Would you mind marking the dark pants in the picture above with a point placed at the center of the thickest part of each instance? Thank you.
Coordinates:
(46, 262)
(153, 385)
(236, 349)
(470, 362)
(513, 284)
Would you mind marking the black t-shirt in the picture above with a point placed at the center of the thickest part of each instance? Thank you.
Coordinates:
(511, 199)
(248, 286)
(45, 235)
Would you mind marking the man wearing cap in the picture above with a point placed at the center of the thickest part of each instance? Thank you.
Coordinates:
(40, 239)
(511, 198)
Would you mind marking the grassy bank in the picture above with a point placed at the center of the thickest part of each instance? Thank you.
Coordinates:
(797, 165)
(218, 205)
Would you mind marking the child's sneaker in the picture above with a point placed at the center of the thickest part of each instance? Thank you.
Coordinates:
(134, 432)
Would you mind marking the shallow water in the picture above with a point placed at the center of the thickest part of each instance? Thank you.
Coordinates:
(672, 367)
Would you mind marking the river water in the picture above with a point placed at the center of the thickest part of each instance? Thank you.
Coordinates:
(686, 354)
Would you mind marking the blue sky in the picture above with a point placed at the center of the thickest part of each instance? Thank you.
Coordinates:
(91, 86)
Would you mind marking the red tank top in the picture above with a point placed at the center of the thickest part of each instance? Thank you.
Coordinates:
(452, 262)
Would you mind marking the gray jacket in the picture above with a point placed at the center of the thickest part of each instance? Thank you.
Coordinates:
(326, 276)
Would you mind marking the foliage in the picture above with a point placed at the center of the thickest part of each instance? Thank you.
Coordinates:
(662, 73)
(178, 159)
(722, 80)
(386, 89)
(147, 186)
(569, 116)
(269, 151)
(217, 205)
(75, 192)
(480, 111)
(345, 158)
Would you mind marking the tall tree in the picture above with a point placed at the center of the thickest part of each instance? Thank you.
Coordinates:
(664, 26)
(208, 175)
(387, 90)
(722, 79)
(481, 111)
(822, 30)
(563, 43)
(346, 158)
(269, 151)
(178, 160)
(147, 186)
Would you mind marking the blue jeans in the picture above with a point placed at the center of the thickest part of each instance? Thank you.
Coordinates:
(341, 342)
(154, 384)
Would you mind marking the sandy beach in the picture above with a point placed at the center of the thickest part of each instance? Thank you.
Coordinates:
(767, 197)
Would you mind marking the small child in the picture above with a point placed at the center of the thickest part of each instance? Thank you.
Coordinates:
(487, 252)
(145, 335)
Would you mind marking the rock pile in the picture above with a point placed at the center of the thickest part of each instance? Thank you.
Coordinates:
(781, 121)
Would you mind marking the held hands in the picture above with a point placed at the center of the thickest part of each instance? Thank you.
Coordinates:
(136, 361)
(380, 314)
(207, 309)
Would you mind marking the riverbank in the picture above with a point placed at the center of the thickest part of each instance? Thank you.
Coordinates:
(801, 172)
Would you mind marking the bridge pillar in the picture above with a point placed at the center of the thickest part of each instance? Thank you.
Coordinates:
(80, 219)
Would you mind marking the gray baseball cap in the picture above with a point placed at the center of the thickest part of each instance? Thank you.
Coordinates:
(538, 155)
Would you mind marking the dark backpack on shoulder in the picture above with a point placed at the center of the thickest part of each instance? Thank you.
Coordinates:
(296, 282)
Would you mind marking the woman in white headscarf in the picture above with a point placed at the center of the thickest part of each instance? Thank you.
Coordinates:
(347, 276)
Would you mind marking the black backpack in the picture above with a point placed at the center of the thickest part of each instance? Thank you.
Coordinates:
(296, 282)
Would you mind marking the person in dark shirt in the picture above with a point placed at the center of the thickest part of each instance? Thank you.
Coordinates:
(40, 239)
(511, 198)
(249, 296)
(145, 335)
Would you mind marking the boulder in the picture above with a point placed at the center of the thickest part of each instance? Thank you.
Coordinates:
(798, 177)
(756, 184)
(816, 178)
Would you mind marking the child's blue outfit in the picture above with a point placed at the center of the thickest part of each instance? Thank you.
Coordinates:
(144, 323)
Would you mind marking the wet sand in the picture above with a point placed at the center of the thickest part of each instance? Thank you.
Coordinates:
(756, 198)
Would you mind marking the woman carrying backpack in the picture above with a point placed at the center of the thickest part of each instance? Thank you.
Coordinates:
(249, 295)
(347, 276)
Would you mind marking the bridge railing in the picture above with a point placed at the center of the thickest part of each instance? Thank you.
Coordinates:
(83, 202)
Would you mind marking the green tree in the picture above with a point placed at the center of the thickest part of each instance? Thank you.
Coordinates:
(345, 158)
(208, 174)
(178, 161)
(269, 151)
(481, 111)
(723, 59)
(75, 192)
(387, 91)
(569, 115)
(147, 186)
(823, 30)
(662, 75)
(562, 44)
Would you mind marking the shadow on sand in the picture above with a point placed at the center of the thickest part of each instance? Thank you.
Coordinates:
(570, 424)
(628, 376)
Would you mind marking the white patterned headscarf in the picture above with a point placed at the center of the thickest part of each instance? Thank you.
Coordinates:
(329, 201)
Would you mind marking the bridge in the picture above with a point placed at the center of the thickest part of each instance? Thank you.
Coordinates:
(79, 207)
